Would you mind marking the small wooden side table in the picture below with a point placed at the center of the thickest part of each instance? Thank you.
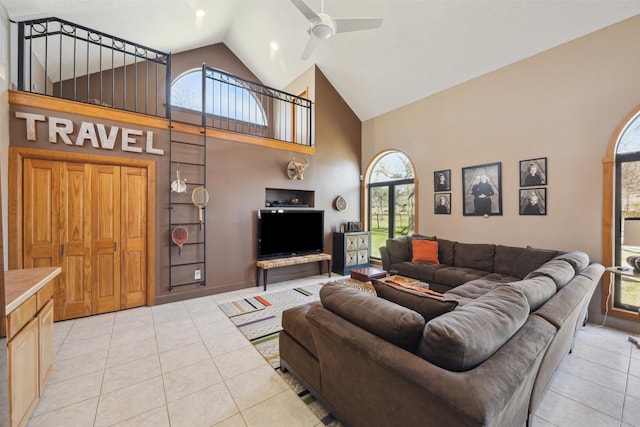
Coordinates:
(629, 273)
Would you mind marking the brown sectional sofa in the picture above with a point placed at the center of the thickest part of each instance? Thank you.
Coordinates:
(481, 355)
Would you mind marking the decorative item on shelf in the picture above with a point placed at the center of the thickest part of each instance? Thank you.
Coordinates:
(294, 201)
(179, 185)
(631, 237)
(295, 170)
(354, 226)
(200, 198)
(340, 203)
(179, 236)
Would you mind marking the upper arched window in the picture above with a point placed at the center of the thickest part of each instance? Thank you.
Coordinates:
(226, 97)
(392, 199)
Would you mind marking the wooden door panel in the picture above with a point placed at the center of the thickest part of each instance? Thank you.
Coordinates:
(105, 252)
(41, 192)
(73, 298)
(134, 231)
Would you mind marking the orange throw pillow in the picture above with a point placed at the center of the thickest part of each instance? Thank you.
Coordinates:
(425, 250)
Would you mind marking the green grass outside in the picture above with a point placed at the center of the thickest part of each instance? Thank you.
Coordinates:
(630, 289)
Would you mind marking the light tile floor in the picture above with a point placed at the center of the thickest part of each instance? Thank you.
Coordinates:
(186, 364)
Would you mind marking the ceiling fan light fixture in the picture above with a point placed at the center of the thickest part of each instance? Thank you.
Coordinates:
(323, 28)
(321, 31)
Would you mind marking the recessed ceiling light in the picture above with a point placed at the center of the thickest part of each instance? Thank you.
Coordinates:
(199, 13)
(274, 46)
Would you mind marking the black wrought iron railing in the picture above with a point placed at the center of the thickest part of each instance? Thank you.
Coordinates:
(66, 60)
(239, 105)
(69, 61)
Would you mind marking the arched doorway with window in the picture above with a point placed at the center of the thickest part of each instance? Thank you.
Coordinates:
(391, 198)
(621, 217)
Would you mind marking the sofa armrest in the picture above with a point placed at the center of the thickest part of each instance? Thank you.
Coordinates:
(369, 381)
(384, 256)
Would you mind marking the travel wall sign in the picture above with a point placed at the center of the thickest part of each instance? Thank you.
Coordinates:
(96, 134)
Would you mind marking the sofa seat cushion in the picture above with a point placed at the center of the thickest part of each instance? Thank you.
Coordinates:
(474, 255)
(473, 289)
(392, 322)
(560, 271)
(294, 321)
(500, 278)
(422, 271)
(456, 276)
(537, 290)
(463, 338)
(429, 306)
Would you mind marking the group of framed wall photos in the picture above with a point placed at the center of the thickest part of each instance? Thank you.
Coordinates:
(533, 196)
(482, 186)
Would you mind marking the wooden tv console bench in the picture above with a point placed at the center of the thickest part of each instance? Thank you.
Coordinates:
(265, 265)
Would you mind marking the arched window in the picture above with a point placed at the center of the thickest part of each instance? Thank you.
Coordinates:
(226, 97)
(391, 198)
(626, 293)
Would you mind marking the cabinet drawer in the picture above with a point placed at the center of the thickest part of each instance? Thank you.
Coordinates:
(351, 258)
(21, 316)
(44, 295)
(363, 241)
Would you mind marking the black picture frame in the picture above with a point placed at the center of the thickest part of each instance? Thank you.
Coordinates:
(439, 185)
(482, 193)
(440, 208)
(533, 201)
(539, 175)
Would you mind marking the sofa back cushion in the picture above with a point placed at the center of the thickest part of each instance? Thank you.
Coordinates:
(561, 272)
(578, 260)
(392, 322)
(446, 251)
(398, 249)
(531, 259)
(478, 256)
(463, 338)
(537, 290)
(505, 259)
(429, 306)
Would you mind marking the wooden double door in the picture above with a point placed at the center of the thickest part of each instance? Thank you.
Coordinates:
(90, 219)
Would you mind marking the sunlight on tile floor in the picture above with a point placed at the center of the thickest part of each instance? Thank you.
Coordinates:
(186, 364)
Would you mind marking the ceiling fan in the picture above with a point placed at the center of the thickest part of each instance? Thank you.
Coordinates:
(323, 26)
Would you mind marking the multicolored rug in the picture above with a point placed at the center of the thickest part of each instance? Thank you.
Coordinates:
(259, 318)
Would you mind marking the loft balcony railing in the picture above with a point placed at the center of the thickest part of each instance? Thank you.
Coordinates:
(69, 61)
(65, 60)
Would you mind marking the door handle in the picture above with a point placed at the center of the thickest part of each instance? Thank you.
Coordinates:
(115, 246)
(62, 249)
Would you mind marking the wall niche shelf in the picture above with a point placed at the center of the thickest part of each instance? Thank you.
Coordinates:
(289, 198)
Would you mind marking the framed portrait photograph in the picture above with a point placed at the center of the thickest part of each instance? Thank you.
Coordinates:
(533, 172)
(442, 180)
(482, 186)
(533, 201)
(442, 204)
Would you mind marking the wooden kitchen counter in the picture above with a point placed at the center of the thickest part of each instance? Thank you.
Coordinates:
(19, 285)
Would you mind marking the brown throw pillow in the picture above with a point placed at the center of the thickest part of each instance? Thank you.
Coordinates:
(427, 304)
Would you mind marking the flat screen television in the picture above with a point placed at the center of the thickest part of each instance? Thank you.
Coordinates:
(290, 232)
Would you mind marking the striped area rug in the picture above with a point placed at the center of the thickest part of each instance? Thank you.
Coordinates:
(259, 318)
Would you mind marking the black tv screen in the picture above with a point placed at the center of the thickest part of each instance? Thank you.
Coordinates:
(290, 232)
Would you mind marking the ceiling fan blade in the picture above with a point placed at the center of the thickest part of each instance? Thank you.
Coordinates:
(306, 10)
(308, 50)
(347, 25)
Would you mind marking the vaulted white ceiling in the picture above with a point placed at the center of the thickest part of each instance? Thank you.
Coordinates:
(422, 47)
